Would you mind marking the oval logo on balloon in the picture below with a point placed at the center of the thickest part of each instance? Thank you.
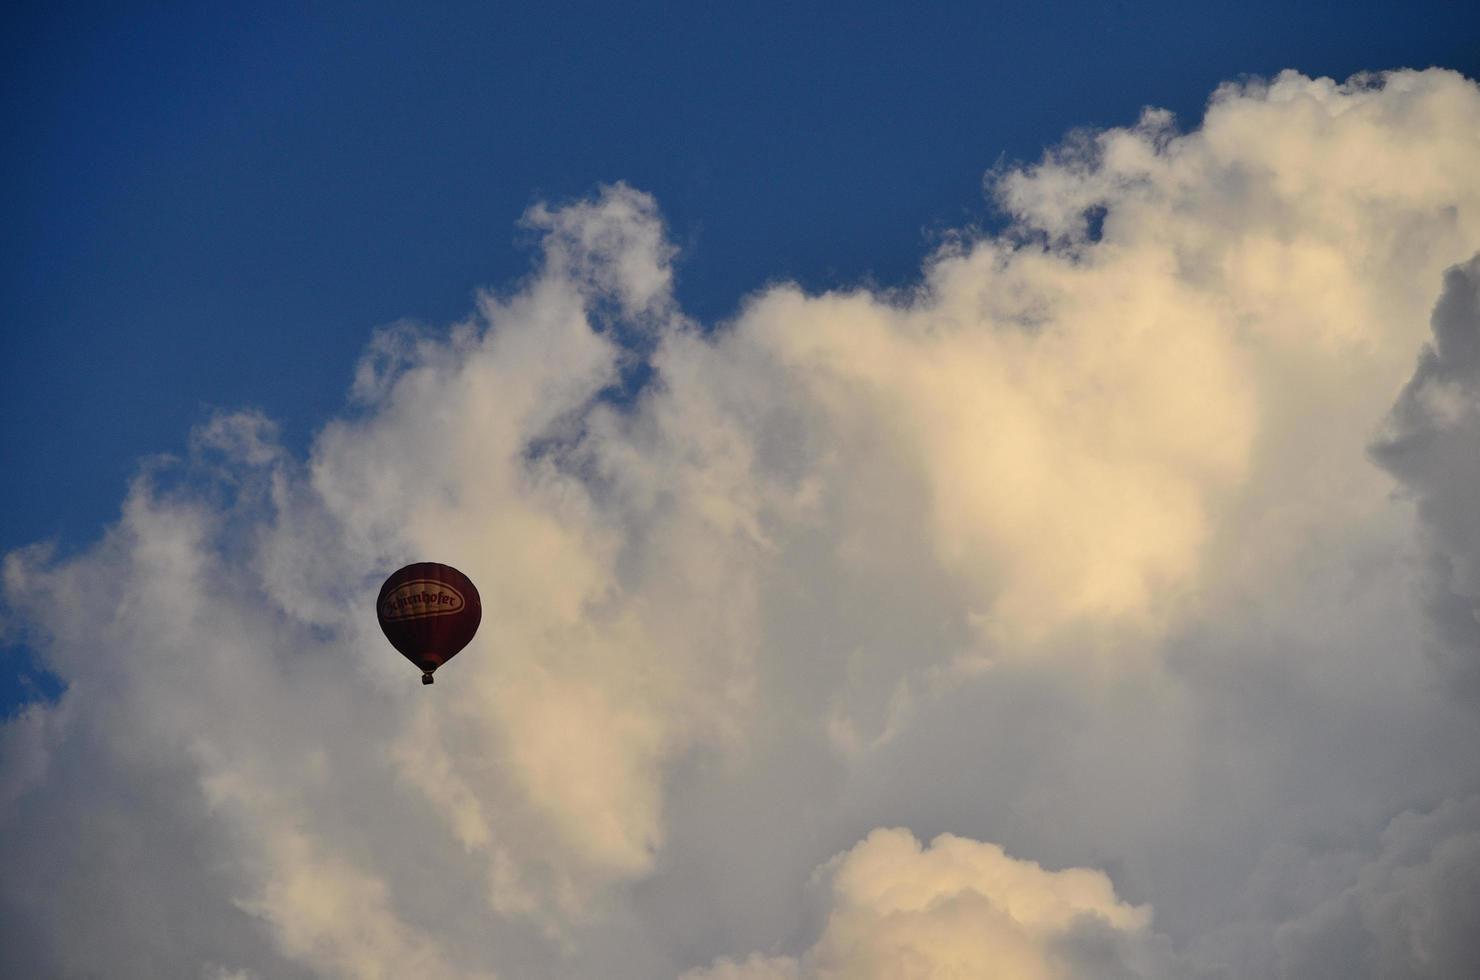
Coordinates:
(420, 598)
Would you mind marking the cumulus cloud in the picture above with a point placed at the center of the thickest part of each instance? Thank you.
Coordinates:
(1410, 912)
(1072, 556)
(1432, 445)
(961, 908)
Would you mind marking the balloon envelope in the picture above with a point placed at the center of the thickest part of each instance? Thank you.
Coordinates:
(429, 612)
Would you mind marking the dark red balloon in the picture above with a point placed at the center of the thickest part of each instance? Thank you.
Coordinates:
(429, 612)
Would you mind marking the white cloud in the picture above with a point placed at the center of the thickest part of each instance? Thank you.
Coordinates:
(961, 908)
(1076, 549)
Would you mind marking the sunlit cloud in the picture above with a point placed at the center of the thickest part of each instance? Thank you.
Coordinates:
(1080, 559)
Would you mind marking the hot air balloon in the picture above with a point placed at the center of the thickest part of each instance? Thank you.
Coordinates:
(429, 612)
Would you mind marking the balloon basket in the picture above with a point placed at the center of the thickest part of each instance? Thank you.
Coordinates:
(426, 677)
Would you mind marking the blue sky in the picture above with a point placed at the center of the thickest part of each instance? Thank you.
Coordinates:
(1136, 569)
